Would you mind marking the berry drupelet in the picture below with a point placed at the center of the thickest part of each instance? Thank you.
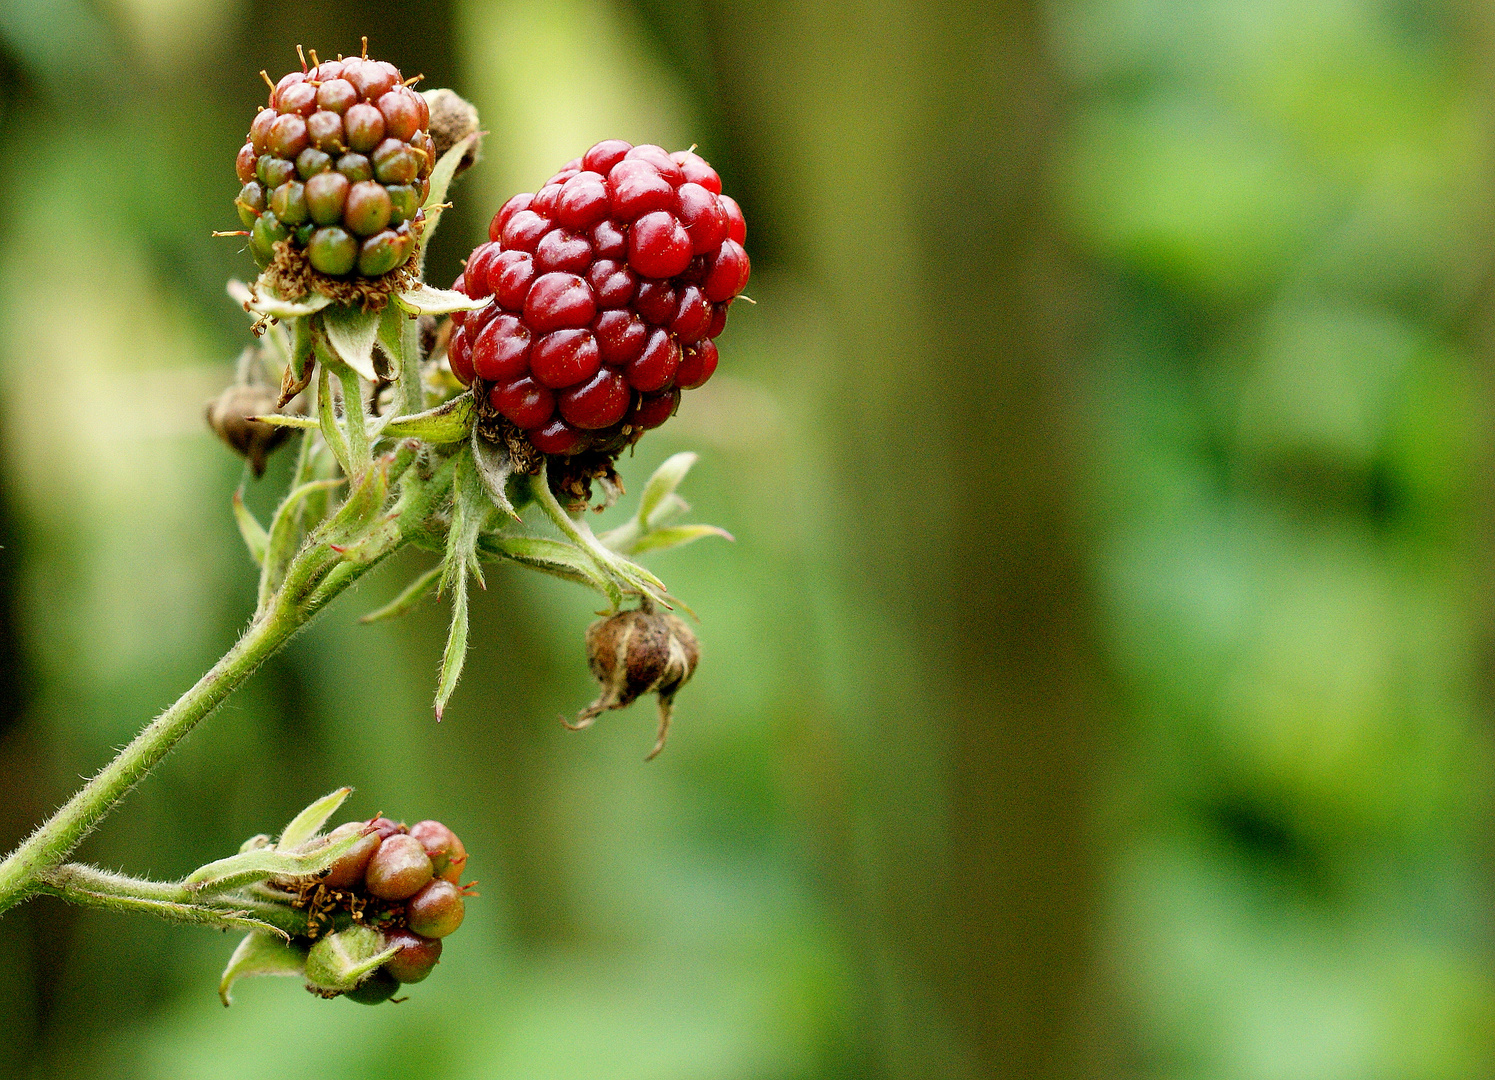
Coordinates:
(609, 287)
(338, 165)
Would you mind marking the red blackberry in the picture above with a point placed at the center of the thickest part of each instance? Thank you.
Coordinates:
(338, 164)
(608, 285)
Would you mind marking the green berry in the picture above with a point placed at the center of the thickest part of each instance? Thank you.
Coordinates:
(381, 253)
(355, 167)
(404, 201)
(273, 171)
(251, 203)
(266, 231)
(332, 251)
(312, 161)
(367, 209)
(289, 202)
(325, 195)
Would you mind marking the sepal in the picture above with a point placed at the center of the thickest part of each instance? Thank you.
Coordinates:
(425, 300)
(449, 422)
(340, 961)
(264, 302)
(309, 822)
(260, 954)
(350, 333)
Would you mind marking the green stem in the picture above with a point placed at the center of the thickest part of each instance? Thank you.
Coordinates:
(92, 887)
(21, 874)
(357, 419)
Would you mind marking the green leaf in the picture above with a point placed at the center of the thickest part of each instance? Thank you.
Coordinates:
(340, 961)
(351, 333)
(260, 954)
(454, 656)
(264, 302)
(663, 483)
(471, 509)
(556, 557)
(495, 467)
(424, 300)
(412, 595)
(304, 825)
(260, 864)
(256, 539)
(676, 535)
(448, 422)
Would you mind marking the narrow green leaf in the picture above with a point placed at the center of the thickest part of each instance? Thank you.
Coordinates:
(471, 509)
(555, 557)
(304, 825)
(256, 539)
(495, 467)
(455, 653)
(408, 598)
(425, 300)
(676, 535)
(267, 303)
(448, 422)
(663, 483)
(248, 867)
(351, 333)
(300, 423)
(260, 954)
(670, 506)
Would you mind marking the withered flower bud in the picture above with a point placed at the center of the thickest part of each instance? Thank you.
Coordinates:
(452, 120)
(228, 415)
(635, 653)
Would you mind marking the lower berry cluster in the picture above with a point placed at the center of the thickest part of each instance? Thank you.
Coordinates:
(403, 882)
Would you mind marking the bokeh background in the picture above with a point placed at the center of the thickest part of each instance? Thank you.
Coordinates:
(1099, 683)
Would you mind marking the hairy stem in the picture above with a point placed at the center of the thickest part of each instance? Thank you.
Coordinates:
(22, 872)
(91, 887)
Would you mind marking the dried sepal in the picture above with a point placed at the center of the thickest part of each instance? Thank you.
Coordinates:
(639, 652)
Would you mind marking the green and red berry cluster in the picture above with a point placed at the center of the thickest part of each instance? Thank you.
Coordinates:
(338, 165)
(609, 286)
(403, 882)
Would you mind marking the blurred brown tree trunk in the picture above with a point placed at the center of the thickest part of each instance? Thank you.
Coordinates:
(902, 150)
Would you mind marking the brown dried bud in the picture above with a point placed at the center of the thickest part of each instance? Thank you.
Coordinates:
(452, 120)
(229, 414)
(635, 653)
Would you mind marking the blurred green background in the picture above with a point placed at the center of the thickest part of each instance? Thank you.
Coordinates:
(1098, 685)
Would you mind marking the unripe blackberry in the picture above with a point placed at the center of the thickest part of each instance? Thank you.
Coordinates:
(337, 166)
(448, 856)
(398, 869)
(376, 989)
(436, 910)
(609, 285)
(416, 958)
(349, 870)
(639, 652)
